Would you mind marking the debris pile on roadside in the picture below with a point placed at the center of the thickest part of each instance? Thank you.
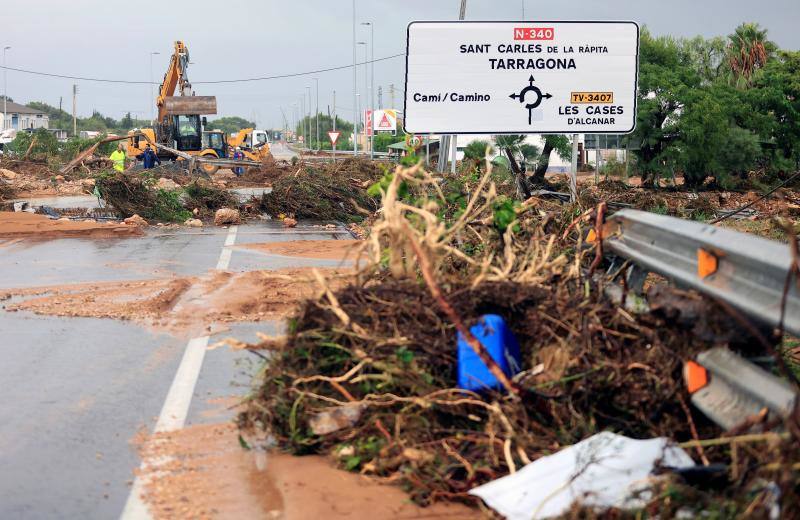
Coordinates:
(334, 192)
(36, 178)
(132, 193)
(370, 373)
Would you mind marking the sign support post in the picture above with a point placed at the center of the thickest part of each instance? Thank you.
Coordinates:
(573, 174)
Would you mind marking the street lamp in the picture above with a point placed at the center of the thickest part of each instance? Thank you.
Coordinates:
(316, 80)
(355, 73)
(152, 101)
(365, 92)
(5, 87)
(308, 90)
(294, 120)
(371, 87)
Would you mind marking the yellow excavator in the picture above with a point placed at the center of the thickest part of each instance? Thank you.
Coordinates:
(254, 144)
(179, 125)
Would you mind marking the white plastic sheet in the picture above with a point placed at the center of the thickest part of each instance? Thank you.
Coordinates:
(605, 470)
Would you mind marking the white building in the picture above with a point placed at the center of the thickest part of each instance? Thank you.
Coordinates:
(20, 117)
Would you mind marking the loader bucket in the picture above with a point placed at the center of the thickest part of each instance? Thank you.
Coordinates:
(190, 105)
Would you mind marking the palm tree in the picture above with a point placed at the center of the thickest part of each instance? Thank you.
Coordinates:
(748, 50)
(476, 152)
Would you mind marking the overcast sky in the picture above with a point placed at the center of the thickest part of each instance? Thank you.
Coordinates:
(229, 40)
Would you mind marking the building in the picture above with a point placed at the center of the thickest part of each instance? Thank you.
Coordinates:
(20, 117)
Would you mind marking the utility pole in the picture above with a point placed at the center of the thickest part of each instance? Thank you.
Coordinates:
(302, 121)
(597, 159)
(355, 79)
(60, 102)
(380, 97)
(334, 124)
(523, 9)
(5, 88)
(371, 88)
(391, 95)
(308, 90)
(152, 95)
(366, 103)
(74, 110)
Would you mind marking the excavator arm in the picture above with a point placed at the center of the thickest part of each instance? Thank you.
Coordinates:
(176, 75)
(176, 80)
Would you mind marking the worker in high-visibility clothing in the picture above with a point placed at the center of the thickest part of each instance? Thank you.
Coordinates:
(118, 158)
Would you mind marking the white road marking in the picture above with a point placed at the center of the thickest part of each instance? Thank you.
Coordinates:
(179, 398)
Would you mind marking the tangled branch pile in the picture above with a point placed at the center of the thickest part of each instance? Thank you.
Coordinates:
(335, 192)
(132, 193)
(367, 373)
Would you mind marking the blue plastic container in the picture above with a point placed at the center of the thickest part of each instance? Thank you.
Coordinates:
(502, 346)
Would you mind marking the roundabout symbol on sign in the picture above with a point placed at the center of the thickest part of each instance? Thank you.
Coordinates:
(537, 97)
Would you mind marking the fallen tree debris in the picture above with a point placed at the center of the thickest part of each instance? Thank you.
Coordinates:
(335, 192)
(385, 346)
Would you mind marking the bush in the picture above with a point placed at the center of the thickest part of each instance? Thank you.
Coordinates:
(613, 168)
(46, 143)
(75, 145)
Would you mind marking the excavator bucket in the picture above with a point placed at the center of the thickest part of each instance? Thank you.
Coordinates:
(190, 105)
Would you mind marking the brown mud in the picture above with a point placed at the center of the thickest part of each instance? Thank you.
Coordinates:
(180, 305)
(203, 472)
(28, 225)
(318, 249)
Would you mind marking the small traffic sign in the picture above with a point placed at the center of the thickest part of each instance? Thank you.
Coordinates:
(334, 136)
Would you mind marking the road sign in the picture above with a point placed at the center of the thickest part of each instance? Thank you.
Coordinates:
(368, 122)
(333, 136)
(521, 77)
(413, 141)
(385, 120)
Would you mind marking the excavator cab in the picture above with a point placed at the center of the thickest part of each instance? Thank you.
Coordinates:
(216, 140)
(187, 132)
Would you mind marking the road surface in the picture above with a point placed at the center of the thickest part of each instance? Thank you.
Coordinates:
(281, 151)
(79, 390)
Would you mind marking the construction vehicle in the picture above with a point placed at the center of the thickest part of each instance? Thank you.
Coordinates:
(179, 125)
(253, 143)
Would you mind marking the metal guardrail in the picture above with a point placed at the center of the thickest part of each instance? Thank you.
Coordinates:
(746, 271)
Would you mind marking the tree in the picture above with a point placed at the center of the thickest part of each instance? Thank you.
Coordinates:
(476, 152)
(230, 124)
(325, 125)
(382, 141)
(46, 142)
(665, 75)
(558, 142)
(127, 122)
(748, 50)
(776, 98)
(510, 146)
(708, 57)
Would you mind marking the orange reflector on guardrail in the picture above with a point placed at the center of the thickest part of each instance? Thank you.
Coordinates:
(707, 263)
(695, 375)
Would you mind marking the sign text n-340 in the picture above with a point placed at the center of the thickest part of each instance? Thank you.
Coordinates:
(521, 77)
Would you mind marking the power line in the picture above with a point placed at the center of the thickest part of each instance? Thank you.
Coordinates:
(242, 80)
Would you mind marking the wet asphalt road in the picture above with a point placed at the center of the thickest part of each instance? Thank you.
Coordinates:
(280, 151)
(77, 390)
